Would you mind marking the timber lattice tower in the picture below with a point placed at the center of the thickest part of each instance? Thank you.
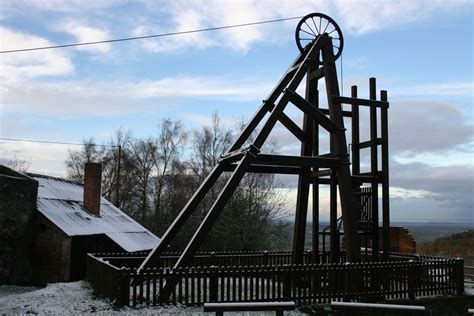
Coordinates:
(320, 42)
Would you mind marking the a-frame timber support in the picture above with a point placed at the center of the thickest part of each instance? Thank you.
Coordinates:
(242, 158)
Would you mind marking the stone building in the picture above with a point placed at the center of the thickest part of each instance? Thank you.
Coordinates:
(48, 225)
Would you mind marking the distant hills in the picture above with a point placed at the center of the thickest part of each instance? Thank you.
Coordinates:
(458, 244)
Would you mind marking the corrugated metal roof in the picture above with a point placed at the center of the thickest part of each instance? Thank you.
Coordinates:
(61, 201)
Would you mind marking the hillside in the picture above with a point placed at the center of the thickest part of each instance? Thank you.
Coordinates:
(459, 244)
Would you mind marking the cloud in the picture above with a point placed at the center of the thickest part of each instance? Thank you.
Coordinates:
(91, 98)
(152, 17)
(354, 17)
(19, 7)
(422, 126)
(451, 187)
(28, 65)
(41, 158)
(459, 88)
(366, 16)
(85, 33)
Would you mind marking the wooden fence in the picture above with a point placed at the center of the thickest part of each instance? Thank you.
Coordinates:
(406, 276)
(248, 258)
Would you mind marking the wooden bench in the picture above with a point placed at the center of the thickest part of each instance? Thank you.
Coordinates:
(367, 307)
(278, 307)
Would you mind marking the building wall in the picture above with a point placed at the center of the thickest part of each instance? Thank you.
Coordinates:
(52, 252)
(18, 194)
(82, 245)
(400, 240)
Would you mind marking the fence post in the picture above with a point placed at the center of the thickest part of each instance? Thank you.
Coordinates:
(265, 258)
(411, 278)
(123, 296)
(213, 284)
(286, 283)
(349, 269)
(164, 298)
(459, 268)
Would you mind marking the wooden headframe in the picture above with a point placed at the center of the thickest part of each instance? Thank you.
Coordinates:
(245, 156)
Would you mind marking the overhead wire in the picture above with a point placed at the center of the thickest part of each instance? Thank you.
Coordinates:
(147, 36)
(122, 40)
(53, 142)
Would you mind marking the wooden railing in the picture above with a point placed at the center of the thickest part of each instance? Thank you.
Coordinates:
(405, 277)
(107, 281)
(251, 258)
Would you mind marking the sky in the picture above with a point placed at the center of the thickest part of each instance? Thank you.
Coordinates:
(420, 51)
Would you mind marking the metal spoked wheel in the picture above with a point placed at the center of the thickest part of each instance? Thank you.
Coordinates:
(314, 25)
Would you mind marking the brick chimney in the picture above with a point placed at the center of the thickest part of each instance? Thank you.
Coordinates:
(92, 183)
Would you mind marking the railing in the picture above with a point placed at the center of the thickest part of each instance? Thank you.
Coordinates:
(406, 277)
(248, 258)
(107, 281)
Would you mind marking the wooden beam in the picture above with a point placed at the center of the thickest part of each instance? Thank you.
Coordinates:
(283, 101)
(302, 198)
(299, 161)
(344, 113)
(374, 170)
(309, 108)
(320, 173)
(267, 169)
(183, 216)
(207, 223)
(232, 156)
(340, 148)
(385, 178)
(356, 101)
(334, 235)
(316, 74)
(355, 134)
(368, 143)
(365, 179)
(292, 127)
(267, 105)
(315, 192)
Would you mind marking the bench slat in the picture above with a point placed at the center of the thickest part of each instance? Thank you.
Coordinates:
(249, 306)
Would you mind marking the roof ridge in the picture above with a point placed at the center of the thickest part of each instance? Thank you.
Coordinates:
(37, 175)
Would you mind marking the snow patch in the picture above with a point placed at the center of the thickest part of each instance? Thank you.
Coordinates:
(76, 298)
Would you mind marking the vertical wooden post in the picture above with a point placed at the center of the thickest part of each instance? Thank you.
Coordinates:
(355, 134)
(124, 287)
(385, 179)
(213, 282)
(459, 276)
(303, 179)
(315, 192)
(334, 233)
(340, 145)
(412, 275)
(374, 170)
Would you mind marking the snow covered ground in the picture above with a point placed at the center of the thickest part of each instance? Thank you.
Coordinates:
(76, 298)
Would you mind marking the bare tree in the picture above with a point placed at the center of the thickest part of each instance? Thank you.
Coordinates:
(16, 164)
(142, 152)
(156, 181)
(169, 143)
(247, 220)
(209, 144)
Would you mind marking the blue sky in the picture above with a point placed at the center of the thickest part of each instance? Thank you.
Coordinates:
(420, 51)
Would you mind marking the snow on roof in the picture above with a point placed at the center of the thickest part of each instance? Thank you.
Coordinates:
(61, 201)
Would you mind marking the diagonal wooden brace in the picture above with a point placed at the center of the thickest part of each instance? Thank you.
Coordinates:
(317, 115)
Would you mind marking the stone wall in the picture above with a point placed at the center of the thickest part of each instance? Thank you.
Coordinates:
(18, 194)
